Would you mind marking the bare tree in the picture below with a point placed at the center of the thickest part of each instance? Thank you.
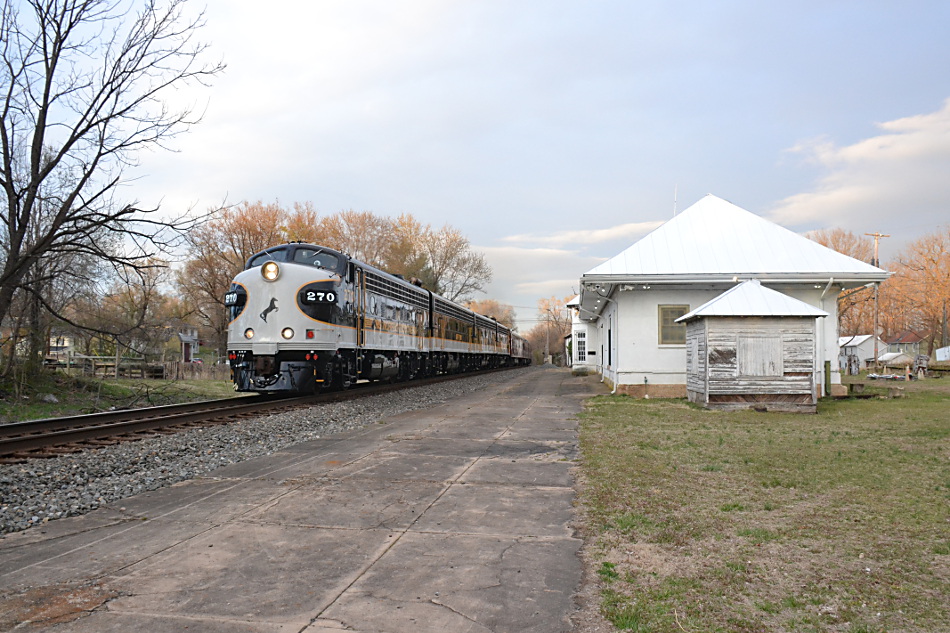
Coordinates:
(83, 89)
(554, 323)
(457, 272)
(361, 234)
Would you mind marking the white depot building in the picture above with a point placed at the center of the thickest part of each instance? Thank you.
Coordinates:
(625, 319)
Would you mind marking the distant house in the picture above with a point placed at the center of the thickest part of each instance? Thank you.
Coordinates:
(629, 306)
(188, 337)
(858, 351)
(907, 342)
(61, 346)
(752, 347)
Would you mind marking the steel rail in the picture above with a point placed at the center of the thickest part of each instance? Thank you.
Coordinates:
(19, 438)
(103, 417)
(56, 432)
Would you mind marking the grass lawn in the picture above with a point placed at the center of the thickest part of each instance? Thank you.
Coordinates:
(77, 394)
(712, 521)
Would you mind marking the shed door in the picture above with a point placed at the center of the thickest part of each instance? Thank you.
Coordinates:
(760, 356)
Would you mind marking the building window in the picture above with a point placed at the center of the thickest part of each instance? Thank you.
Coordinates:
(672, 333)
(581, 343)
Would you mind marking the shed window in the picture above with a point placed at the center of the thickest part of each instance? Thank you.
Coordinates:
(672, 333)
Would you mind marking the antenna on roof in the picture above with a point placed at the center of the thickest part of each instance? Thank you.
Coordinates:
(674, 199)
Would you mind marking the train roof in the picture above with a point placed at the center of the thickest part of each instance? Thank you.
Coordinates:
(290, 247)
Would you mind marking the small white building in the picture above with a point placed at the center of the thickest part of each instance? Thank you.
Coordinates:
(895, 359)
(628, 306)
(858, 351)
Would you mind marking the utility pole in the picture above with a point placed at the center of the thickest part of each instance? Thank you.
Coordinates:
(877, 237)
(876, 262)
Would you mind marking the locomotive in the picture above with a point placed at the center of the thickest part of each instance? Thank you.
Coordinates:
(305, 318)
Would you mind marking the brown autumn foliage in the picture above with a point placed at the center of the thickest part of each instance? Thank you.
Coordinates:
(917, 296)
(442, 259)
(361, 234)
(405, 253)
(217, 252)
(303, 224)
(501, 312)
(855, 306)
(859, 247)
(131, 317)
(554, 323)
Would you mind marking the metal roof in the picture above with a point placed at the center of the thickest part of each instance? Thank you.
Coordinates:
(854, 341)
(716, 237)
(751, 298)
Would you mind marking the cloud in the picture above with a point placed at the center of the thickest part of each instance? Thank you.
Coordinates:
(895, 181)
(629, 232)
(524, 275)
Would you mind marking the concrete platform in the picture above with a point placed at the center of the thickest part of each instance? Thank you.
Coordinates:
(455, 518)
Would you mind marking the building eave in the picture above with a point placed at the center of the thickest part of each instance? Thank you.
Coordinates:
(843, 279)
(603, 287)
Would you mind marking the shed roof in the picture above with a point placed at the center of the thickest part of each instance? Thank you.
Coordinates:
(895, 358)
(751, 298)
(716, 237)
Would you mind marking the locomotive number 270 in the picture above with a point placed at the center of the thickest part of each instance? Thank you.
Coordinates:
(319, 296)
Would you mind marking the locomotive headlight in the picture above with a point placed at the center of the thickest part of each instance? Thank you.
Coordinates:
(287, 333)
(270, 271)
(248, 333)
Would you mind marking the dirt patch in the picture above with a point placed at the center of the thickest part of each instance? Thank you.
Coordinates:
(40, 607)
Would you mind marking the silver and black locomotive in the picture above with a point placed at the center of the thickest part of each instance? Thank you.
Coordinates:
(304, 318)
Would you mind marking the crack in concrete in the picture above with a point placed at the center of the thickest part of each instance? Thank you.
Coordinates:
(460, 614)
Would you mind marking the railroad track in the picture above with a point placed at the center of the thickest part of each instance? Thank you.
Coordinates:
(55, 436)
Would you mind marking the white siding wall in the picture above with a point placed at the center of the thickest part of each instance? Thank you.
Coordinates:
(827, 333)
(640, 354)
(637, 355)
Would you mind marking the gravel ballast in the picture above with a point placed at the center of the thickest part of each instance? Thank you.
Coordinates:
(41, 490)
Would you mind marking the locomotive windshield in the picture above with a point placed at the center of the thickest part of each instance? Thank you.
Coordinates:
(316, 257)
(299, 254)
(278, 254)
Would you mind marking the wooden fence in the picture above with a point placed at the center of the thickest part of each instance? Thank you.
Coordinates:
(105, 366)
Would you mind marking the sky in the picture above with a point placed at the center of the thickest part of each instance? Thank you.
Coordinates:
(556, 133)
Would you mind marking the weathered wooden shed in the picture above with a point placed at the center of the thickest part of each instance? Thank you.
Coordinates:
(753, 348)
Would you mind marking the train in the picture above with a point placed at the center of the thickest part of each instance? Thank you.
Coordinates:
(305, 318)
